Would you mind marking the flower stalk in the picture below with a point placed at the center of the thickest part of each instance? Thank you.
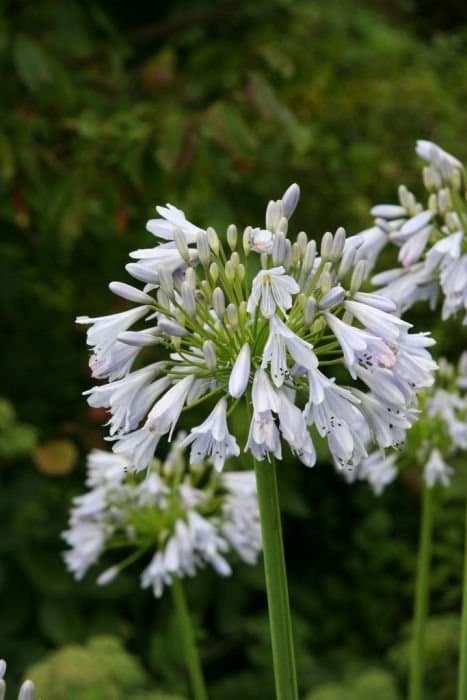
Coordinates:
(417, 661)
(462, 689)
(187, 635)
(276, 582)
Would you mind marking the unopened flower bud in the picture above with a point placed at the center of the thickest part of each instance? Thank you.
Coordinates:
(206, 290)
(239, 376)
(241, 272)
(318, 325)
(358, 276)
(230, 271)
(235, 259)
(232, 236)
(456, 179)
(290, 199)
(325, 281)
(26, 692)
(166, 282)
(338, 244)
(296, 255)
(444, 200)
(302, 241)
(218, 302)
(232, 315)
(139, 339)
(190, 277)
(188, 299)
(264, 259)
(142, 273)
(274, 213)
(213, 240)
(278, 249)
(172, 328)
(335, 296)
(347, 261)
(163, 300)
(242, 312)
(452, 221)
(202, 245)
(309, 310)
(209, 352)
(283, 225)
(433, 202)
(126, 291)
(309, 257)
(288, 254)
(247, 240)
(326, 245)
(182, 246)
(214, 272)
(107, 576)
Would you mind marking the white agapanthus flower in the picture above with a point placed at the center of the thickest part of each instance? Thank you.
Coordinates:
(26, 692)
(438, 436)
(178, 520)
(296, 339)
(431, 237)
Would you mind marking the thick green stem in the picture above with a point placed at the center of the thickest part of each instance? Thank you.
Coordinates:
(417, 661)
(193, 661)
(276, 582)
(462, 691)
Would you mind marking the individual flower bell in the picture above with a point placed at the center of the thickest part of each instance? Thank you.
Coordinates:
(263, 323)
(431, 237)
(178, 520)
(438, 436)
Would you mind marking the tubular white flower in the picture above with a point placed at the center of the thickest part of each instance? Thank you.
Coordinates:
(212, 439)
(272, 289)
(294, 429)
(379, 470)
(274, 354)
(437, 470)
(172, 219)
(105, 329)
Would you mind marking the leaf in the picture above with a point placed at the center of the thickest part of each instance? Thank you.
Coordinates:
(31, 63)
(56, 457)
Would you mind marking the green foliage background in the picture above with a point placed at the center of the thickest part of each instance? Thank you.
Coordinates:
(108, 109)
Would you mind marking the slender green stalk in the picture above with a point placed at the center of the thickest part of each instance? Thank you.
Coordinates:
(462, 691)
(276, 582)
(417, 661)
(193, 661)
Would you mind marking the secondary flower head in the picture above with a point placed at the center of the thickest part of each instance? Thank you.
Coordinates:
(259, 320)
(178, 521)
(431, 237)
(438, 436)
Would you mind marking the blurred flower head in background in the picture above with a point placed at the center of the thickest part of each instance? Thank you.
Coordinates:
(185, 520)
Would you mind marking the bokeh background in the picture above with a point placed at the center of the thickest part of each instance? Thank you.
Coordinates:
(106, 109)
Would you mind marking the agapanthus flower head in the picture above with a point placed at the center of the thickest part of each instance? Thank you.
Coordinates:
(177, 520)
(438, 436)
(276, 328)
(431, 237)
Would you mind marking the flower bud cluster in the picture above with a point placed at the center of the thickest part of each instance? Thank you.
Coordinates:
(279, 329)
(431, 237)
(439, 434)
(180, 521)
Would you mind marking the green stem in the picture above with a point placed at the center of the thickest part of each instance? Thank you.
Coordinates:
(193, 661)
(417, 661)
(276, 582)
(462, 692)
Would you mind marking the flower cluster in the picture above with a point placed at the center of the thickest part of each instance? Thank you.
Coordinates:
(280, 324)
(26, 692)
(185, 520)
(431, 238)
(439, 434)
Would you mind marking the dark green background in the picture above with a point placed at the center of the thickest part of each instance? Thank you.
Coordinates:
(109, 108)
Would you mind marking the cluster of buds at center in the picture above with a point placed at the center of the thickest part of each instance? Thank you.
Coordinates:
(256, 323)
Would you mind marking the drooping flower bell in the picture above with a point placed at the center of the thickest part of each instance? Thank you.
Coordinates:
(259, 320)
(178, 520)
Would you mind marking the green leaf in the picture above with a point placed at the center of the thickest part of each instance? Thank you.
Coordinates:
(31, 63)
